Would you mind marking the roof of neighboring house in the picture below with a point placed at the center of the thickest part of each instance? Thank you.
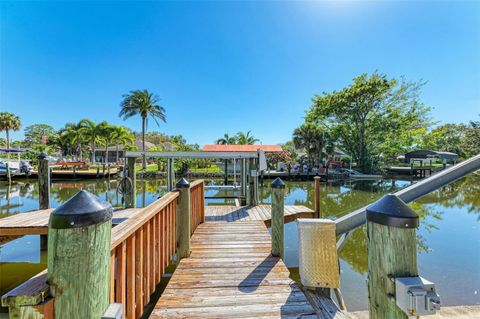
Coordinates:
(242, 148)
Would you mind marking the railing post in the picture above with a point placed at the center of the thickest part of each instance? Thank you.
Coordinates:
(392, 252)
(243, 186)
(131, 192)
(183, 219)
(79, 256)
(316, 196)
(253, 183)
(278, 207)
(43, 181)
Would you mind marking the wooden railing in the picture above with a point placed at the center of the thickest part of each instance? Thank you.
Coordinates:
(197, 204)
(141, 249)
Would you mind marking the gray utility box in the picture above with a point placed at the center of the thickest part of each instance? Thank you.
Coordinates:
(416, 296)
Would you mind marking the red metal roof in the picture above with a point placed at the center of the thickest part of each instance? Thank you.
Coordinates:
(241, 148)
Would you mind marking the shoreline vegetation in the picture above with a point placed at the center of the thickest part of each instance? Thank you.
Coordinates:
(367, 124)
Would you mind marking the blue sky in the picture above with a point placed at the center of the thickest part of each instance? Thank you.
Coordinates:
(230, 66)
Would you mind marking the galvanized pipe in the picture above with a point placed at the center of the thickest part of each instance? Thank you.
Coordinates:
(358, 218)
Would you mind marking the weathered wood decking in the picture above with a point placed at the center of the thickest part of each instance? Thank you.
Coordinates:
(231, 274)
(230, 213)
(36, 223)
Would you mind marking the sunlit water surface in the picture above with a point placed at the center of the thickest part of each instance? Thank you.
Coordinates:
(448, 237)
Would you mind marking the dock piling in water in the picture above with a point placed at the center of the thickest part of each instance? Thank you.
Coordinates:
(130, 192)
(79, 256)
(43, 182)
(316, 197)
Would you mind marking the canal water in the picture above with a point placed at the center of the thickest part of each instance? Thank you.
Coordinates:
(448, 237)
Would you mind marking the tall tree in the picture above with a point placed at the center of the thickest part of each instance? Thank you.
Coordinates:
(313, 139)
(447, 138)
(122, 136)
(107, 134)
(470, 144)
(246, 138)
(226, 140)
(9, 122)
(374, 119)
(39, 134)
(74, 134)
(146, 105)
(92, 132)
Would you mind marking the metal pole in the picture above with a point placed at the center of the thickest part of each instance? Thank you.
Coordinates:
(358, 218)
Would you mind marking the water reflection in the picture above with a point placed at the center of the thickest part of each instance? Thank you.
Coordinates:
(448, 237)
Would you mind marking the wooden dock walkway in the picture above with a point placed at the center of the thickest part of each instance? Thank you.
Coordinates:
(231, 274)
(230, 213)
(36, 223)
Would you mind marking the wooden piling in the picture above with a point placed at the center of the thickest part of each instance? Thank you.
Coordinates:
(252, 181)
(183, 219)
(278, 207)
(131, 191)
(79, 256)
(9, 175)
(316, 196)
(392, 252)
(43, 182)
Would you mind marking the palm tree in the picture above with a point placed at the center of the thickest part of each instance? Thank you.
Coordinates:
(145, 104)
(313, 139)
(122, 135)
(107, 134)
(226, 140)
(9, 122)
(74, 133)
(92, 132)
(244, 139)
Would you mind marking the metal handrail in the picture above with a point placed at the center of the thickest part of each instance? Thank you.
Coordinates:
(357, 218)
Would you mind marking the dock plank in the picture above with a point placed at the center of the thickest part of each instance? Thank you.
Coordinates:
(231, 213)
(36, 222)
(231, 274)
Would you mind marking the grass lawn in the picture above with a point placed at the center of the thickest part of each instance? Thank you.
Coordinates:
(211, 169)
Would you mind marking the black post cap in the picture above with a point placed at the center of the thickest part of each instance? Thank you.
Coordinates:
(278, 183)
(82, 210)
(42, 156)
(183, 183)
(392, 211)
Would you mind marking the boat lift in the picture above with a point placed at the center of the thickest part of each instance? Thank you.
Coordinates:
(251, 163)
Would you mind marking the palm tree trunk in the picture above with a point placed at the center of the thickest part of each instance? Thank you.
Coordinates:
(80, 151)
(116, 156)
(8, 143)
(93, 152)
(144, 159)
(106, 153)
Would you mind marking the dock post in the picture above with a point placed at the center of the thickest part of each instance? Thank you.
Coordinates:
(243, 195)
(278, 207)
(131, 192)
(9, 175)
(43, 181)
(316, 196)
(79, 256)
(253, 183)
(392, 252)
(183, 219)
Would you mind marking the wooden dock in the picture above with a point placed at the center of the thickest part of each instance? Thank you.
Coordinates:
(230, 213)
(231, 274)
(36, 223)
